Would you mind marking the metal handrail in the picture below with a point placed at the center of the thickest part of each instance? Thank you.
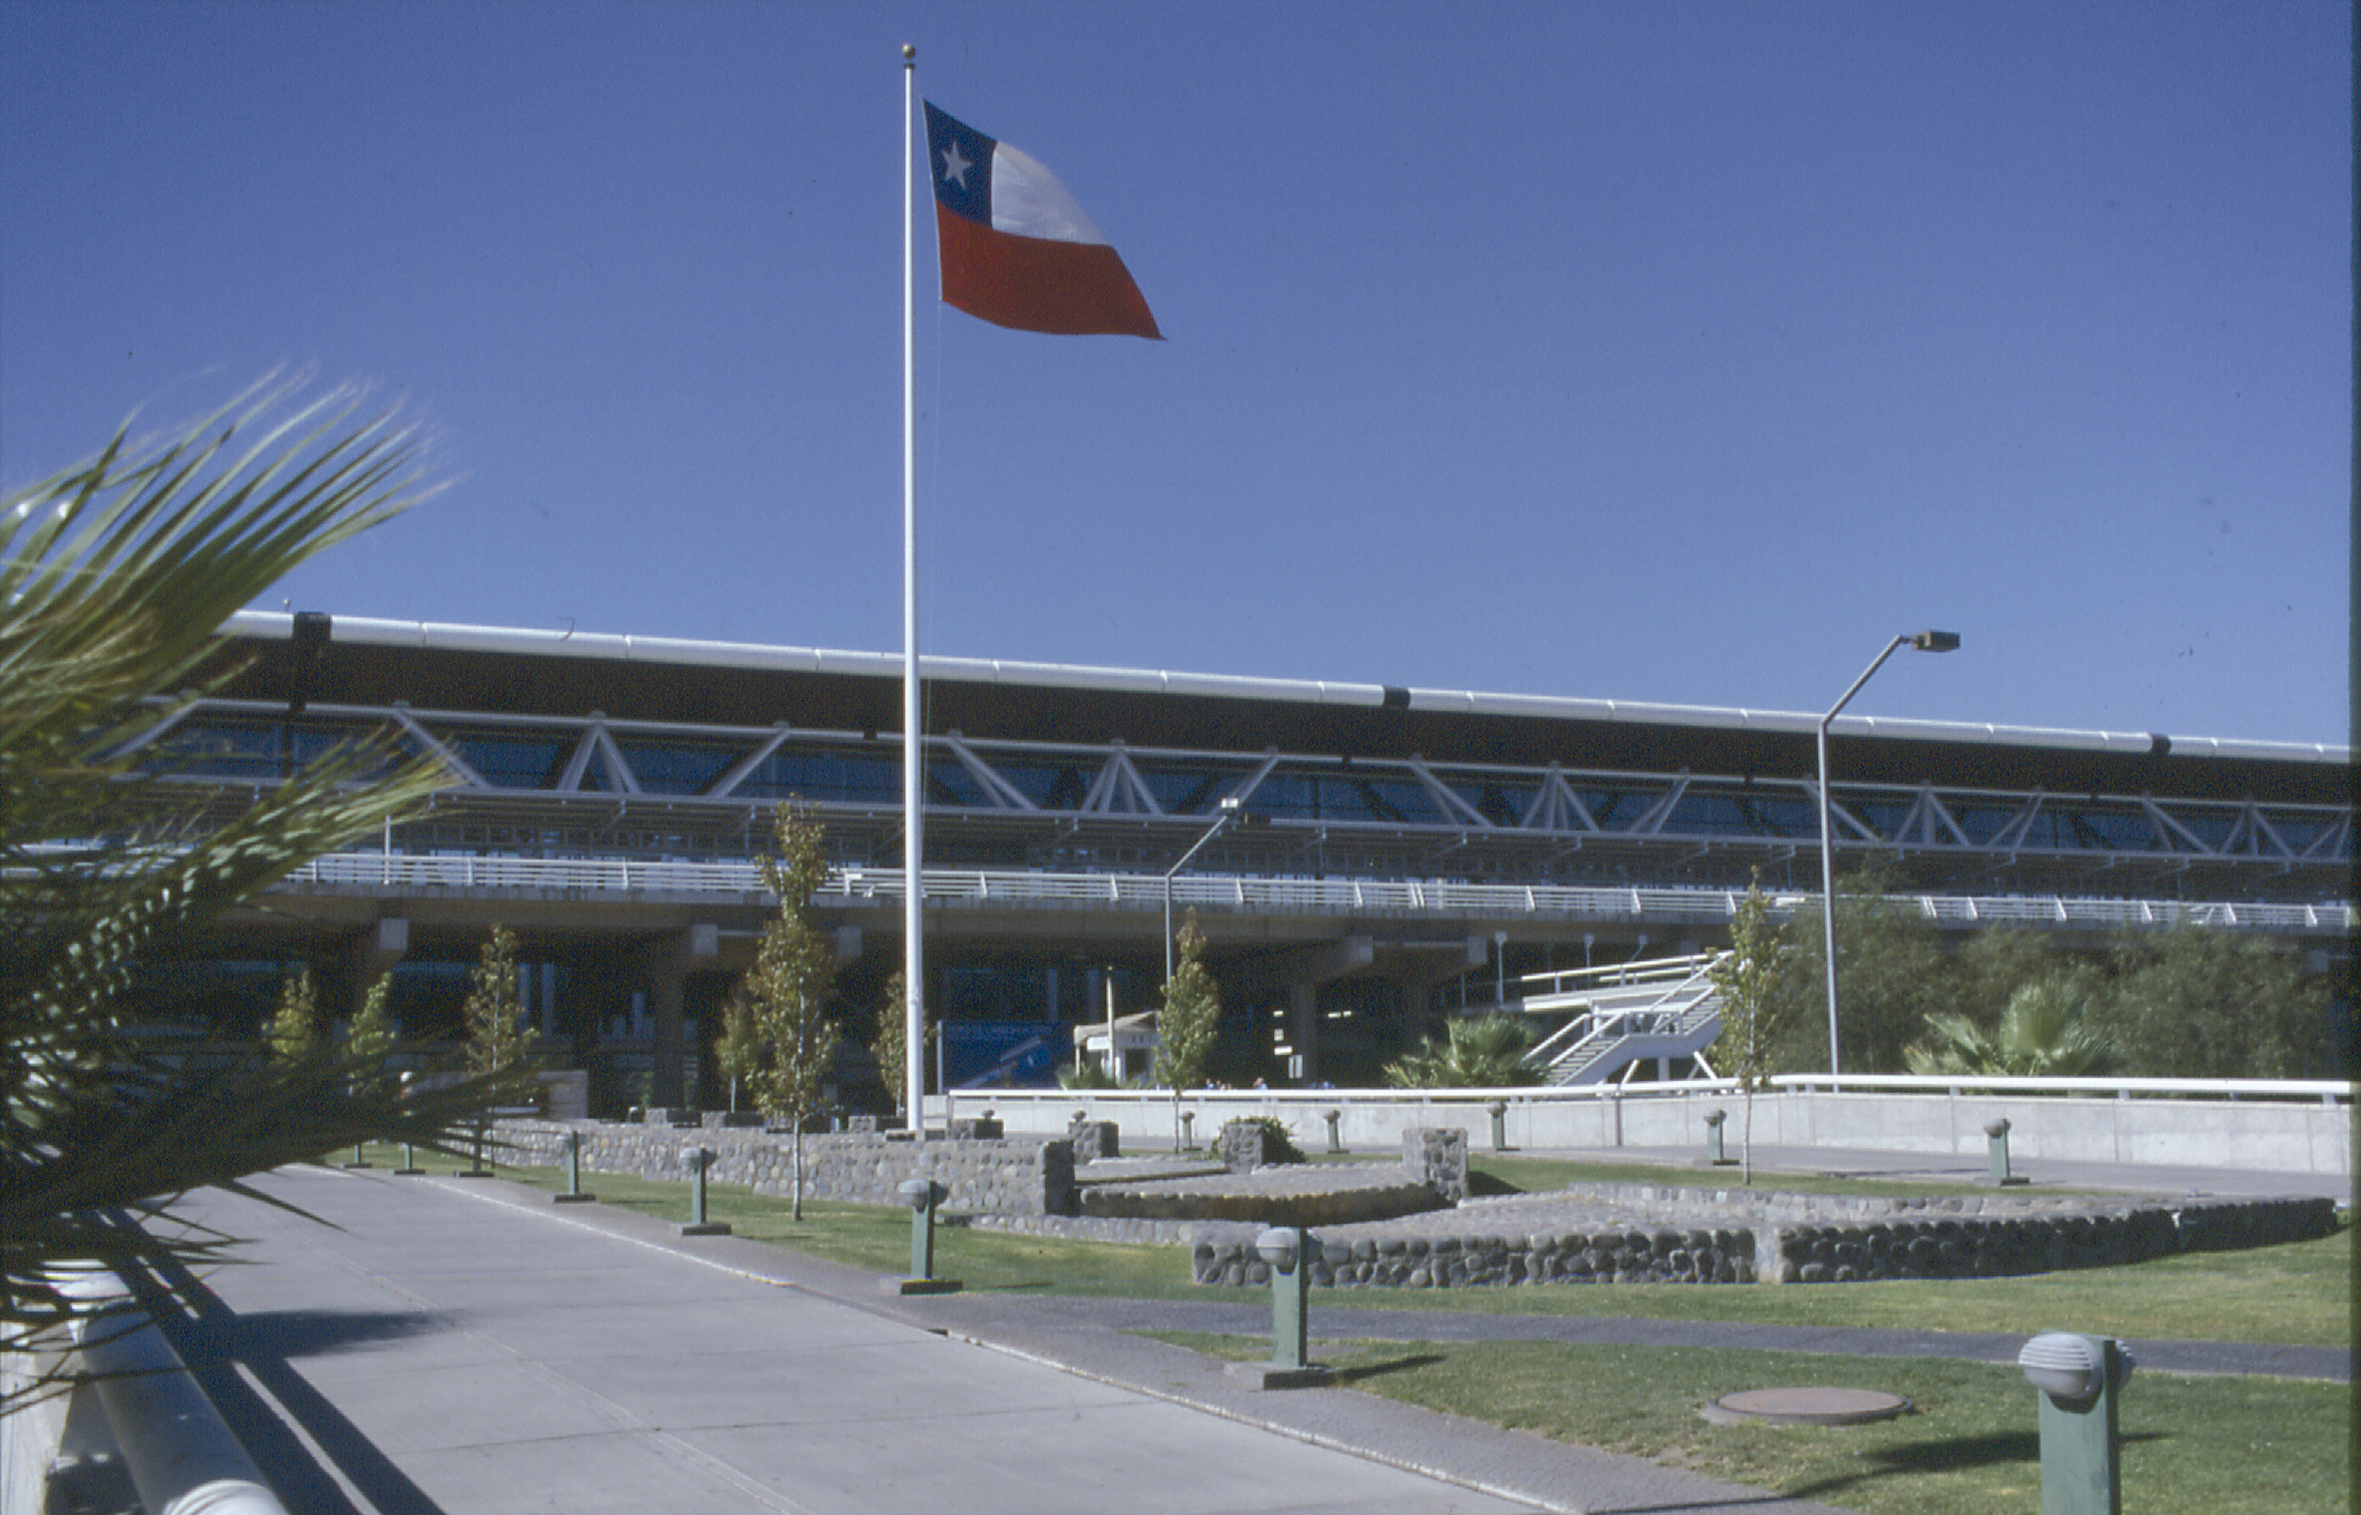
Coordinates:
(1146, 891)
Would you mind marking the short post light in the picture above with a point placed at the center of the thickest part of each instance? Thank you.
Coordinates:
(2081, 1442)
(697, 1160)
(1996, 1150)
(475, 1163)
(1716, 1156)
(574, 1194)
(1289, 1251)
(1332, 1117)
(923, 1196)
(1498, 1110)
(1188, 1130)
(1924, 641)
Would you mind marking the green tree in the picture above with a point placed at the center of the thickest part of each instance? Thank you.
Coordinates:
(1892, 974)
(1190, 1021)
(372, 1035)
(1477, 1052)
(115, 576)
(2204, 1002)
(495, 1042)
(1753, 979)
(1988, 969)
(2044, 1033)
(295, 1034)
(788, 985)
(738, 1050)
(892, 1046)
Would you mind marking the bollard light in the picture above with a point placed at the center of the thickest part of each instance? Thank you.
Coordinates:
(2081, 1442)
(1498, 1110)
(697, 1160)
(1997, 1152)
(574, 1194)
(1716, 1154)
(1284, 1248)
(1332, 1117)
(1290, 1251)
(1188, 1130)
(924, 1196)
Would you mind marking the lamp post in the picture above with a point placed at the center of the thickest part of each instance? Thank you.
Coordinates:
(1923, 641)
(1229, 813)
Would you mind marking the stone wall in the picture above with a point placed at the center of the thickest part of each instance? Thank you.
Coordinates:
(1770, 1238)
(1438, 1156)
(1452, 1262)
(1013, 1177)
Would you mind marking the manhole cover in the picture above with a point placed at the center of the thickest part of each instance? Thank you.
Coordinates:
(1806, 1407)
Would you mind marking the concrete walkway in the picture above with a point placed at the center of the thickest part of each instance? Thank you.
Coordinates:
(459, 1347)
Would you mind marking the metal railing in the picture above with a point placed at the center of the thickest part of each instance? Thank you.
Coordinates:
(1648, 1010)
(408, 871)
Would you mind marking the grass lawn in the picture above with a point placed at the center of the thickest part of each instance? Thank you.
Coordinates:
(2191, 1444)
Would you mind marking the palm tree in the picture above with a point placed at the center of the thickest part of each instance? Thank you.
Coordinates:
(1479, 1052)
(114, 577)
(2041, 1034)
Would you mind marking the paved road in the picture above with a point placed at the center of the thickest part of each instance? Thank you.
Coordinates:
(448, 1347)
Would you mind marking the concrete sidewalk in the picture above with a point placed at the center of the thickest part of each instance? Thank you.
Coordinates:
(454, 1346)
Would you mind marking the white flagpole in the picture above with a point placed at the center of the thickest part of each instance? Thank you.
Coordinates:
(913, 776)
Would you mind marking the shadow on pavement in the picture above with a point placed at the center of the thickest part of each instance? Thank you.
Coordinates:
(216, 1343)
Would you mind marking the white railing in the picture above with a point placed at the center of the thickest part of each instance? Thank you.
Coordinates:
(406, 871)
(2327, 1091)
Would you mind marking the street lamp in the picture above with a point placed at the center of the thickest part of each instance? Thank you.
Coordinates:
(1924, 641)
(1229, 812)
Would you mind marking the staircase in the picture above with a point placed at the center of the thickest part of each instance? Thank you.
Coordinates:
(1618, 1018)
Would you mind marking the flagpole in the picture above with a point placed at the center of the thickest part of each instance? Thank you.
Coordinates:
(913, 777)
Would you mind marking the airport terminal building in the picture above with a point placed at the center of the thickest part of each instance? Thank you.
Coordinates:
(1362, 859)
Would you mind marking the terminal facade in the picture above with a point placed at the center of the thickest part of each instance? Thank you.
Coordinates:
(1361, 859)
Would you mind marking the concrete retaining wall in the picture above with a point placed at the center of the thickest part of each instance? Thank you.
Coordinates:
(2275, 1136)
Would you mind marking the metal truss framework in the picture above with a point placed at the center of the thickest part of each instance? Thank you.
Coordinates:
(590, 787)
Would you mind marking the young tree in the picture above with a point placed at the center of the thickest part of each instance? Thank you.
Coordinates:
(494, 1040)
(1190, 1021)
(115, 576)
(1753, 980)
(371, 1038)
(788, 985)
(738, 1050)
(892, 1046)
(295, 1035)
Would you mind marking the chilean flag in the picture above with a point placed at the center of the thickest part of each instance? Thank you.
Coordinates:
(1015, 248)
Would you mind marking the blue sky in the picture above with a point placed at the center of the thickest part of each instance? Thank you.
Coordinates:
(1674, 352)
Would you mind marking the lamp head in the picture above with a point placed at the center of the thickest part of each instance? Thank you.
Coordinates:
(2064, 1366)
(1936, 641)
(1277, 1246)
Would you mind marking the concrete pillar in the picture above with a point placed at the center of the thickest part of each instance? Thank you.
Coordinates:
(1303, 1025)
(374, 953)
(668, 964)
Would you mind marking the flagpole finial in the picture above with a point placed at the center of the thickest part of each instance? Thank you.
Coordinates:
(909, 54)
